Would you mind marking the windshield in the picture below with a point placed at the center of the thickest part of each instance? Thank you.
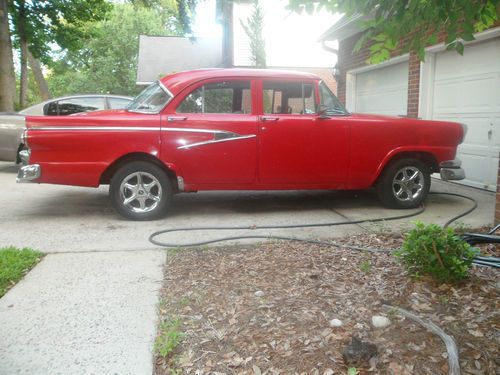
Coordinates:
(151, 100)
(329, 102)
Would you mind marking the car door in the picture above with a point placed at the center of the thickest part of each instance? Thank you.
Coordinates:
(210, 135)
(297, 144)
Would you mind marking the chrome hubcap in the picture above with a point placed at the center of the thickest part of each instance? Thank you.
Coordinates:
(140, 192)
(408, 184)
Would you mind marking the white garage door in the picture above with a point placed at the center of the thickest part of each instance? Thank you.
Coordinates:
(467, 89)
(383, 90)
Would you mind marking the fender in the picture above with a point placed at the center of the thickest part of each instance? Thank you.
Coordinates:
(439, 153)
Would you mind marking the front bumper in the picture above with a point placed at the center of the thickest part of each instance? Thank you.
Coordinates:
(451, 170)
(29, 173)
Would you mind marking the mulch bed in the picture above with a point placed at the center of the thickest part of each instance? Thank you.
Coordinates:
(267, 309)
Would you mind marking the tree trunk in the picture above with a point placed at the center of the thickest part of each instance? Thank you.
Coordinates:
(227, 33)
(7, 77)
(43, 88)
(23, 86)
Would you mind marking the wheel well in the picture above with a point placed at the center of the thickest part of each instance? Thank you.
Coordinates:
(137, 156)
(425, 157)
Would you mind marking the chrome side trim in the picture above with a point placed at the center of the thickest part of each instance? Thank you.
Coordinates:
(235, 138)
(99, 128)
(194, 130)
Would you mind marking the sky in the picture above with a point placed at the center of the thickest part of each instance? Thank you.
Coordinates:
(291, 39)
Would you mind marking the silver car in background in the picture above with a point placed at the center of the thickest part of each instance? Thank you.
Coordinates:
(13, 124)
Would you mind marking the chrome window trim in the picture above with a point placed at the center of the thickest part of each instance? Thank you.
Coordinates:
(236, 138)
(98, 128)
(166, 90)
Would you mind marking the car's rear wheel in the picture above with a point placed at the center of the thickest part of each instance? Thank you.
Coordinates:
(404, 184)
(140, 191)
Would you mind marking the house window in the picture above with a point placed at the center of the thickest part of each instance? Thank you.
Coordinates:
(289, 98)
(219, 97)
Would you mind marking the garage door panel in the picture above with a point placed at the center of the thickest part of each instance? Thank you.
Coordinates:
(480, 169)
(479, 126)
(467, 89)
(480, 57)
(383, 90)
(474, 95)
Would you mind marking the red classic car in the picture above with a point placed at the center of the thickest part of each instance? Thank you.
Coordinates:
(238, 129)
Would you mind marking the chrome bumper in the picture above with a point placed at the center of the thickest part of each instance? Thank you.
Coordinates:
(451, 170)
(29, 173)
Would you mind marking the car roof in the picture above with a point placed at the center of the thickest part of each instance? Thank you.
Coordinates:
(178, 81)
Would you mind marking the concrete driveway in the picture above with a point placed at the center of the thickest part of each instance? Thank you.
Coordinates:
(89, 307)
(55, 218)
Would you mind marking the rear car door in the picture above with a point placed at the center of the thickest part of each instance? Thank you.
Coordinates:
(211, 134)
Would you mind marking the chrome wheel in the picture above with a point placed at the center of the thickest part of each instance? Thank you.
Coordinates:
(408, 184)
(140, 192)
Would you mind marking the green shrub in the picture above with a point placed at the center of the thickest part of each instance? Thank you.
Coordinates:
(439, 252)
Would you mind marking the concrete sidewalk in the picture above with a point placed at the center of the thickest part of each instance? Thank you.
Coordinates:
(86, 313)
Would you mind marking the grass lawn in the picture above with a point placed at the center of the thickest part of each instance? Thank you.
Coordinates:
(14, 264)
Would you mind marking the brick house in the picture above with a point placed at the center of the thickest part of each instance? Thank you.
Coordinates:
(446, 86)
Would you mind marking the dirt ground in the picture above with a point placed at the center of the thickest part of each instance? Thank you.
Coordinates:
(267, 309)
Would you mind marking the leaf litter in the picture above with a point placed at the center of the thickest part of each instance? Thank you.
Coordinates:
(267, 308)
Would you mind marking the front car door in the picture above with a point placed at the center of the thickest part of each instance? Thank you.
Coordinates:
(298, 146)
(211, 134)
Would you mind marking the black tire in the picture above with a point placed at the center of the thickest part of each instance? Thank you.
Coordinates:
(140, 191)
(394, 192)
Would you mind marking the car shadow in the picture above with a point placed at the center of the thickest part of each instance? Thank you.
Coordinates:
(91, 203)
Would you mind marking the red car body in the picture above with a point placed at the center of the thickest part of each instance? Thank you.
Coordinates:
(236, 151)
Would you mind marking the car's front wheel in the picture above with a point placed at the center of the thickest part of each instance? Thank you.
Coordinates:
(140, 191)
(404, 184)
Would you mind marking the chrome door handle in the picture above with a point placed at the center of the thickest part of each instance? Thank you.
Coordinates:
(176, 118)
(270, 118)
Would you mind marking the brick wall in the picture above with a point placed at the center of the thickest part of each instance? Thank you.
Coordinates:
(324, 73)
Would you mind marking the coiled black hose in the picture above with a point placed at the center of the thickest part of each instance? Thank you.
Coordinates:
(153, 237)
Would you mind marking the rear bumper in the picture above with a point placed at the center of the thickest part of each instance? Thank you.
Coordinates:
(29, 173)
(451, 170)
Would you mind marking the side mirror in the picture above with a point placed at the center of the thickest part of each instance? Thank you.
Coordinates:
(323, 114)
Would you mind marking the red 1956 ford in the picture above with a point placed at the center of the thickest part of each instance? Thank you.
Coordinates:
(238, 129)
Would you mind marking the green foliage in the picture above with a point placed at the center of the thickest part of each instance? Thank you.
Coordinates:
(41, 23)
(418, 21)
(108, 62)
(365, 266)
(169, 337)
(432, 250)
(352, 371)
(14, 263)
(254, 28)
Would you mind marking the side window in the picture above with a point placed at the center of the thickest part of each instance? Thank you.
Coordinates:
(76, 105)
(118, 103)
(329, 102)
(289, 98)
(50, 109)
(219, 97)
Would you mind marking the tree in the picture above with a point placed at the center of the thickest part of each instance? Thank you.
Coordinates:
(420, 22)
(7, 78)
(254, 28)
(38, 24)
(108, 61)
